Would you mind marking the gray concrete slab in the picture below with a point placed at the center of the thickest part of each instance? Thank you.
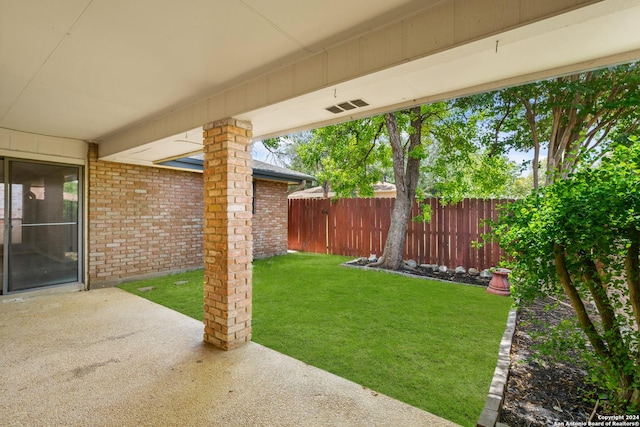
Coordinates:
(107, 358)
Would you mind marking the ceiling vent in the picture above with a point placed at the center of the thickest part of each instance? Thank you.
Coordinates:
(346, 106)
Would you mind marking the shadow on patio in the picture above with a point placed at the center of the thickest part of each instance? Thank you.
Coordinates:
(106, 357)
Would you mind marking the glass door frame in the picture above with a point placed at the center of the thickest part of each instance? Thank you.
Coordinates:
(8, 225)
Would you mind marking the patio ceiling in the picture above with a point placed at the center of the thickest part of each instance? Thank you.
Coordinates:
(141, 77)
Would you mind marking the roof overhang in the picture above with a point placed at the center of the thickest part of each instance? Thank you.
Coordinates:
(141, 78)
(261, 170)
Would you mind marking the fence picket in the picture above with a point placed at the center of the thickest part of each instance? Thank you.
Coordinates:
(358, 227)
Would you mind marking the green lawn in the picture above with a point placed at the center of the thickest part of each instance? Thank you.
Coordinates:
(433, 345)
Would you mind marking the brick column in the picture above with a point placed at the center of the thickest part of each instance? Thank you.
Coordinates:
(227, 233)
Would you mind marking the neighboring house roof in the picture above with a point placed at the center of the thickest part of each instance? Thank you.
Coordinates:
(261, 170)
(380, 190)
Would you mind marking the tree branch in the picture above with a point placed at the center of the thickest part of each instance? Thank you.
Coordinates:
(583, 317)
(499, 126)
(603, 303)
(396, 149)
(632, 269)
(531, 119)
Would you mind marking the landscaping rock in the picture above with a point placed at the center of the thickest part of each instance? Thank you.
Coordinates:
(372, 258)
(473, 271)
(433, 271)
(460, 270)
(443, 269)
(411, 263)
(486, 273)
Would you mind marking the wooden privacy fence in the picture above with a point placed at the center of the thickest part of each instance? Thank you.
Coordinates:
(358, 227)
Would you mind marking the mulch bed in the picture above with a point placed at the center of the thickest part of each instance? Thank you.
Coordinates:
(449, 276)
(541, 392)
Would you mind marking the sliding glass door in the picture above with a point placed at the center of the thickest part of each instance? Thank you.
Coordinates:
(41, 212)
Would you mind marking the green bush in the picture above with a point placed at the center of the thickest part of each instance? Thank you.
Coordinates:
(581, 236)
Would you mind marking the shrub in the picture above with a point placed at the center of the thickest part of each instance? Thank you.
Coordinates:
(581, 236)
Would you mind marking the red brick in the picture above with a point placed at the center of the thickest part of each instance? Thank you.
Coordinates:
(225, 188)
(270, 219)
(127, 203)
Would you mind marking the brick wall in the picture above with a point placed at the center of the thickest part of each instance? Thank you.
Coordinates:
(270, 219)
(145, 221)
(142, 221)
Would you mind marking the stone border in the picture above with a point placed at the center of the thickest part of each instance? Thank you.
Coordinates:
(493, 406)
(402, 273)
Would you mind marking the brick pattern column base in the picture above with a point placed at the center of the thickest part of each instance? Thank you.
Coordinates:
(227, 233)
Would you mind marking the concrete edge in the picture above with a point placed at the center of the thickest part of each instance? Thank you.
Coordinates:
(115, 282)
(37, 292)
(493, 406)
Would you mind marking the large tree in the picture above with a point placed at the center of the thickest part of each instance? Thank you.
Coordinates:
(353, 156)
(406, 172)
(411, 134)
(573, 118)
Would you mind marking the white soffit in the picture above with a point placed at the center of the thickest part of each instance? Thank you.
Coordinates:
(554, 46)
(85, 69)
(96, 69)
(559, 45)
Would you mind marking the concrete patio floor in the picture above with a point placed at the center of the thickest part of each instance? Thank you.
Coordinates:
(106, 358)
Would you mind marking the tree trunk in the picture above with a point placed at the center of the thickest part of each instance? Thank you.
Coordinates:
(608, 346)
(406, 170)
(578, 305)
(394, 245)
(531, 120)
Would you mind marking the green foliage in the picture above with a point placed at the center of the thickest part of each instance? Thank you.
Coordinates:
(283, 151)
(559, 344)
(355, 155)
(580, 236)
(454, 174)
(425, 210)
(574, 118)
(350, 156)
(271, 143)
